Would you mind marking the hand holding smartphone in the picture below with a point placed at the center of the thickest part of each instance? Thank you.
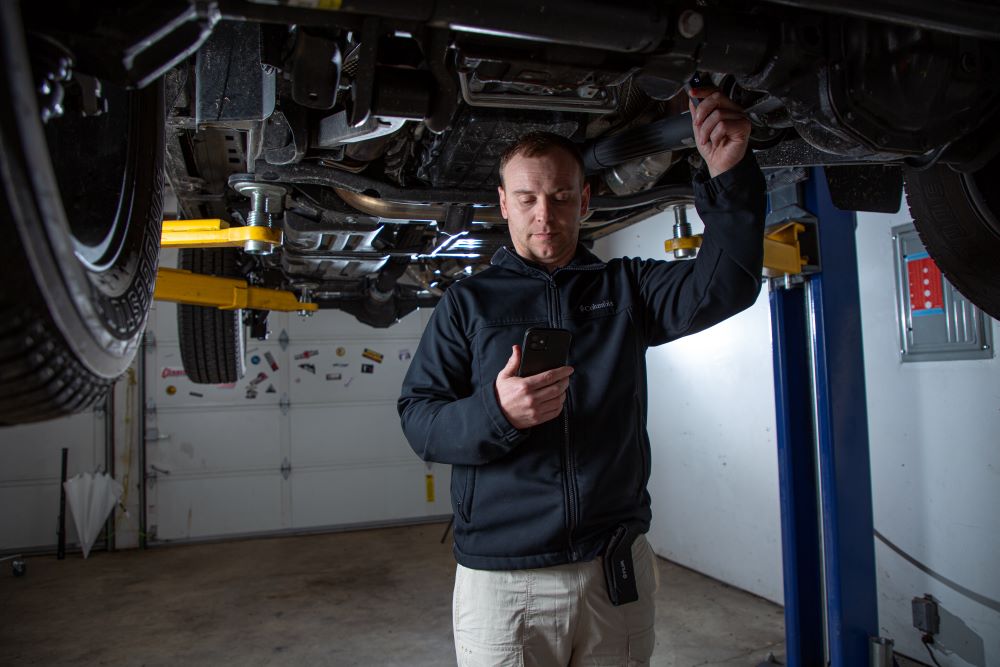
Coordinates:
(531, 388)
(543, 349)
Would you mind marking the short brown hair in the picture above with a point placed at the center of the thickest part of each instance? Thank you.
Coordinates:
(534, 144)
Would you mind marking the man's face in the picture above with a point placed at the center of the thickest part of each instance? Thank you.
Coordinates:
(543, 201)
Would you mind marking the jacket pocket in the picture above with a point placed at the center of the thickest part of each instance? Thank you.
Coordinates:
(640, 443)
(640, 427)
(463, 480)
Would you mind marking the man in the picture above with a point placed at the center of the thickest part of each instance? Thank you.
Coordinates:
(550, 470)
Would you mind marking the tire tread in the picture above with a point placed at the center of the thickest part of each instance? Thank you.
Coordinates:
(962, 246)
(40, 381)
(208, 336)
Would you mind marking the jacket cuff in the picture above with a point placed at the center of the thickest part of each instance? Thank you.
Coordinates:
(738, 175)
(501, 426)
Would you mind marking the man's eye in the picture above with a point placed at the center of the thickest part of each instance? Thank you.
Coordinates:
(528, 201)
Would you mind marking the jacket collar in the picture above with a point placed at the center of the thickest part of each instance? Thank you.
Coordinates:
(508, 258)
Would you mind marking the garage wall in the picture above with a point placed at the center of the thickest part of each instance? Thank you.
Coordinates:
(714, 481)
(935, 452)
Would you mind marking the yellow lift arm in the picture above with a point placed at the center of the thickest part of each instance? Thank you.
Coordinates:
(195, 289)
(213, 234)
(782, 250)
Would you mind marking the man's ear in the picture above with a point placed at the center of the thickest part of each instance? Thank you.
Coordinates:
(503, 201)
(585, 199)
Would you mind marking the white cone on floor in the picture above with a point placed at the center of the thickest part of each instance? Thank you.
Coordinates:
(91, 498)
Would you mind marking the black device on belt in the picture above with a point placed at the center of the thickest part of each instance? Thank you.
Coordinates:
(619, 571)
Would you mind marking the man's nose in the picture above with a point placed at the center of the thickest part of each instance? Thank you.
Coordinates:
(543, 209)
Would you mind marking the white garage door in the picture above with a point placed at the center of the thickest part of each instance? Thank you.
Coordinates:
(308, 439)
(30, 475)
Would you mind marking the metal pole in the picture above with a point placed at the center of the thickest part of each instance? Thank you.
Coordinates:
(109, 463)
(61, 544)
(823, 458)
(800, 539)
(833, 298)
(141, 381)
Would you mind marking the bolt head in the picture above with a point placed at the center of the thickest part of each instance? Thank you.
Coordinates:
(249, 188)
(257, 248)
(690, 23)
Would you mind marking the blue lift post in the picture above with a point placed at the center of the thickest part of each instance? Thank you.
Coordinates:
(799, 493)
(826, 509)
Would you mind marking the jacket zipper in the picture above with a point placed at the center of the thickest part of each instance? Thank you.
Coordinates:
(571, 485)
(571, 491)
(638, 420)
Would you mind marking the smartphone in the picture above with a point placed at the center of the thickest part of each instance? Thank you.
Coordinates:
(543, 349)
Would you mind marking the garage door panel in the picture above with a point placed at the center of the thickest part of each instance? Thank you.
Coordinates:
(347, 435)
(29, 479)
(213, 506)
(320, 375)
(217, 440)
(172, 389)
(327, 324)
(217, 452)
(365, 494)
(38, 447)
(30, 518)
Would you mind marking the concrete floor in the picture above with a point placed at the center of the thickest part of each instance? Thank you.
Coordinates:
(377, 597)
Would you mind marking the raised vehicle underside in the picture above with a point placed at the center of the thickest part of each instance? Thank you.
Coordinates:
(369, 135)
(385, 128)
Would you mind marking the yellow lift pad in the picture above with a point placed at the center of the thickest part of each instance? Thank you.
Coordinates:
(213, 233)
(194, 289)
(682, 243)
(782, 251)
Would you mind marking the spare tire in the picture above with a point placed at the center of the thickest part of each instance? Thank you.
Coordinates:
(80, 208)
(212, 340)
(958, 218)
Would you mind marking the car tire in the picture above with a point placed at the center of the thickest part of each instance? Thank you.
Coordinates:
(958, 218)
(212, 340)
(76, 288)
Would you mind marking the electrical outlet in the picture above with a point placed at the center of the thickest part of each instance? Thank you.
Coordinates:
(925, 615)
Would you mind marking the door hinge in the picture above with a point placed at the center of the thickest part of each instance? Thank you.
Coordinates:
(151, 477)
(284, 404)
(286, 468)
(150, 433)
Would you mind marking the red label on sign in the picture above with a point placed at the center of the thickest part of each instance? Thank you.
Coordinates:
(926, 288)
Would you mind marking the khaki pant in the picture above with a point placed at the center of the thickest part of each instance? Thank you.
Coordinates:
(553, 616)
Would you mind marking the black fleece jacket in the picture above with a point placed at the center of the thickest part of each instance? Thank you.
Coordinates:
(554, 493)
